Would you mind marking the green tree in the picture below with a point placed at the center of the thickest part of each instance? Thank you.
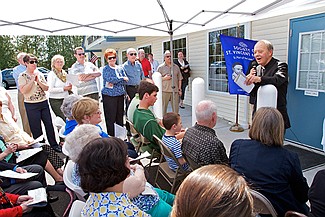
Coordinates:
(7, 52)
(64, 46)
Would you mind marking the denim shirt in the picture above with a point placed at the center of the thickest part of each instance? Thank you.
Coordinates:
(134, 72)
(113, 82)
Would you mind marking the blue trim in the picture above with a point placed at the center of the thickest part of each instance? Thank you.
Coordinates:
(98, 50)
(119, 39)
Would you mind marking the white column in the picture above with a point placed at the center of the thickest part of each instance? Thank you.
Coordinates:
(198, 94)
(157, 108)
(267, 96)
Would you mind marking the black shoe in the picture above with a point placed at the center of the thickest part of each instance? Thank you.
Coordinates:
(57, 148)
(52, 199)
(182, 107)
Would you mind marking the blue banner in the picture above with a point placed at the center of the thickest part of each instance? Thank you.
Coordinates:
(238, 54)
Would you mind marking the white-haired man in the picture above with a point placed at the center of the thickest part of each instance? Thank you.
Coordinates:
(134, 72)
(170, 91)
(200, 142)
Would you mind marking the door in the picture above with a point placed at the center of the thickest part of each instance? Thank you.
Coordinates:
(306, 90)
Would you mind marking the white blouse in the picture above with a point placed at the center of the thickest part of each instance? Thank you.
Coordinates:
(56, 86)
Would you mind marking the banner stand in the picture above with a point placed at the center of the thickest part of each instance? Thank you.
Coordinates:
(236, 127)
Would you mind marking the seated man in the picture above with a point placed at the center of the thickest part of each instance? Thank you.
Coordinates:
(143, 118)
(200, 142)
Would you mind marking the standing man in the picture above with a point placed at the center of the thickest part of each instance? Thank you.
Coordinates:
(154, 63)
(200, 142)
(87, 73)
(170, 92)
(146, 66)
(185, 70)
(269, 71)
(22, 111)
(134, 72)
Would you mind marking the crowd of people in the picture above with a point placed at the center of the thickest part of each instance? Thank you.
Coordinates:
(104, 165)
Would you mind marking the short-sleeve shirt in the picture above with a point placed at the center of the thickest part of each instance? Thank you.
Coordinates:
(164, 70)
(146, 66)
(110, 204)
(175, 146)
(85, 87)
(134, 72)
(36, 93)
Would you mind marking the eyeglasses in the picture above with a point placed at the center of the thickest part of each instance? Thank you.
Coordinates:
(168, 56)
(33, 61)
(132, 54)
(111, 58)
(81, 54)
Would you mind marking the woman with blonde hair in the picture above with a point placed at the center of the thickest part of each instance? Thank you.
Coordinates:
(271, 169)
(58, 86)
(214, 191)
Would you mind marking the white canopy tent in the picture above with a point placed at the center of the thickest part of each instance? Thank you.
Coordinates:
(131, 18)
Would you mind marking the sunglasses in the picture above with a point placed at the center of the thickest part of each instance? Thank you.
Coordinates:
(168, 56)
(81, 54)
(132, 54)
(111, 58)
(33, 61)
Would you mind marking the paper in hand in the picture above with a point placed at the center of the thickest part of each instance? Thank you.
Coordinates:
(240, 81)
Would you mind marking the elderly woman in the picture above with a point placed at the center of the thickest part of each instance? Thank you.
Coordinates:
(58, 87)
(86, 111)
(271, 169)
(33, 85)
(17, 139)
(157, 204)
(103, 167)
(214, 191)
(114, 80)
(66, 109)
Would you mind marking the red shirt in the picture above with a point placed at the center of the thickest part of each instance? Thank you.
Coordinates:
(146, 67)
(16, 211)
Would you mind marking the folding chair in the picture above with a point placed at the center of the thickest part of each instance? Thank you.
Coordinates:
(76, 208)
(191, 162)
(171, 177)
(67, 178)
(262, 205)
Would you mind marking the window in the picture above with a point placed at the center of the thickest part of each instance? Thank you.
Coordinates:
(217, 77)
(311, 61)
(124, 57)
(178, 45)
(147, 49)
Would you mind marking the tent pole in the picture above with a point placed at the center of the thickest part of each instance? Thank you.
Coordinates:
(170, 32)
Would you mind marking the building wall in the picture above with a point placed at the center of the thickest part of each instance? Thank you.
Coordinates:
(275, 29)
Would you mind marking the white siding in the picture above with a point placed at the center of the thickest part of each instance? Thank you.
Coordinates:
(275, 29)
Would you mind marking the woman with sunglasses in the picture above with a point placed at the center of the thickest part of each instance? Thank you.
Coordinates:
(114, 80)
(32, 85)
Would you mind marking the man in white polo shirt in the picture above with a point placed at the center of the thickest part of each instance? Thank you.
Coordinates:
(87, 73)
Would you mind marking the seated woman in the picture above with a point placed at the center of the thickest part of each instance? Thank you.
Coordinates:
(17, 186)
(17, 139)
(271, 169)
(214, 191)
(66, 109)
(15, 205)
(86, 111)
(103, 167)
(158, 204)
